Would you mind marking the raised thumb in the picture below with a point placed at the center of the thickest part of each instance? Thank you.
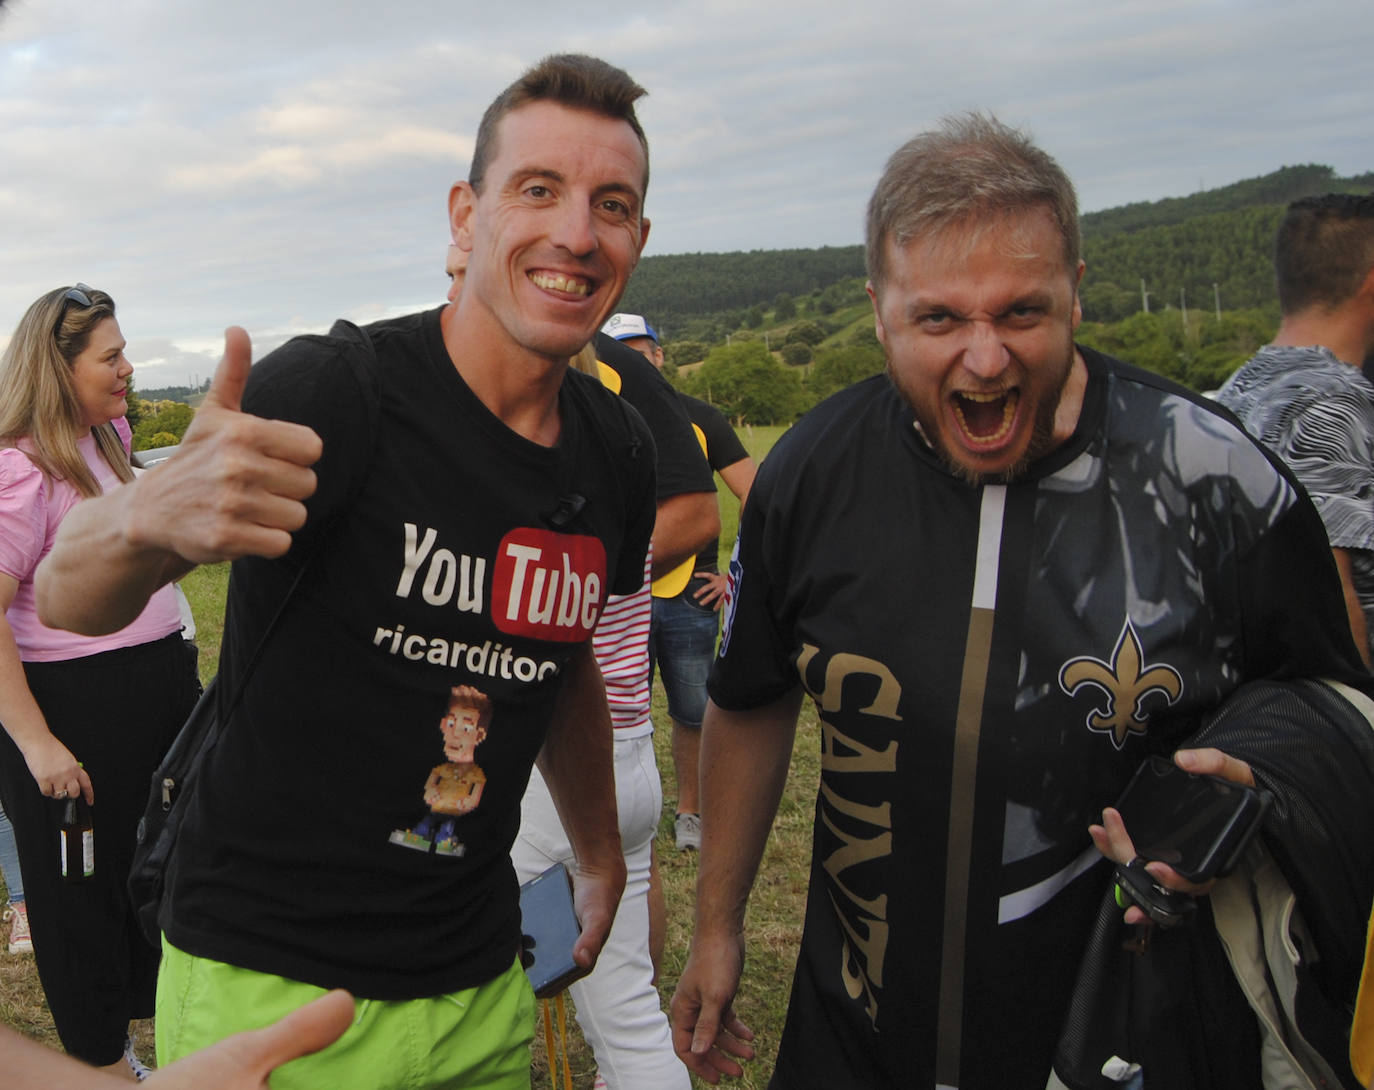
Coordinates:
(226, 388)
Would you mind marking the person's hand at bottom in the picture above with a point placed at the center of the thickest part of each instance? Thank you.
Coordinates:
(244, 1061)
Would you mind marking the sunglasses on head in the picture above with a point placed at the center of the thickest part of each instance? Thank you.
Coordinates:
(78, 295)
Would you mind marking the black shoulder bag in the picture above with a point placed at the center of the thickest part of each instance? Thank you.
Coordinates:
(175, 777)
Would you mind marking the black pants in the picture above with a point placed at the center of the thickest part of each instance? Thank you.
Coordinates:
(117, 712)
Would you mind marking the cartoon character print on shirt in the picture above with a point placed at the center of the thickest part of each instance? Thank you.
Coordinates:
(454, 788)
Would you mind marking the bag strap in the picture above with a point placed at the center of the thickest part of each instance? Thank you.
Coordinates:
(363, 362)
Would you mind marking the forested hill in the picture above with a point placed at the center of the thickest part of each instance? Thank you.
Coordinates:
(1279, 188)
(1222, 260)
(1212, 250)
(676, 291)
(1195, 251)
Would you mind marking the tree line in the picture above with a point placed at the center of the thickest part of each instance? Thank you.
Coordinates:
(1195, 251)
(774, 373)
(704, 296)
(157, 422)
(1277, 187)
(751, 381)
(1223, 260)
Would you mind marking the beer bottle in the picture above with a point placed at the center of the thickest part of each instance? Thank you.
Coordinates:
(78, 843)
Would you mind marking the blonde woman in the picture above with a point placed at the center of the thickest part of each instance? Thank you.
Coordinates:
(85, 718)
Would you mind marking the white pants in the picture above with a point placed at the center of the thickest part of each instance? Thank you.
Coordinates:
(618, 1006)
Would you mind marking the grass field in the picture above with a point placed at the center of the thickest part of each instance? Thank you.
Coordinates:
(775, 912)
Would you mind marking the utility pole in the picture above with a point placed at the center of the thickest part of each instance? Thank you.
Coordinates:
(1183, 303)
(1216, 294)
(1144, 297)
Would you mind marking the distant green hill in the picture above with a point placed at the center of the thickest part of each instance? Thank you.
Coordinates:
(1221, 259)
(1195, 251)
(1212, 250)
(190, 395)
(1278, 188)
(704, 296)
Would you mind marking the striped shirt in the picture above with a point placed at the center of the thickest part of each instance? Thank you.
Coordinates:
(621, 645)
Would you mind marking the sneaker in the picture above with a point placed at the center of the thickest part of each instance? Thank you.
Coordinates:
(687, 830)
(20, 942)
(138, 1067)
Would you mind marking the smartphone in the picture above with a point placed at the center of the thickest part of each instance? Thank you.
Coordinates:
(548, 931)
(1199, 825)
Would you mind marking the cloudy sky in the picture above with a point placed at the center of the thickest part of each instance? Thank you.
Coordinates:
(278, 164)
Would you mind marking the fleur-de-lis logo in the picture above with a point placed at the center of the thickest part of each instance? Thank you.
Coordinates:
(1126, 681)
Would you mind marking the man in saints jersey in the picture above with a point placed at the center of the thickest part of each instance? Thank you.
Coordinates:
(1005, 572)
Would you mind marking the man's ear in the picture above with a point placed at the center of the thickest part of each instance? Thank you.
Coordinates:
(1366, 289)
(1078, 299)
(1364, 299)
(643, 232)
(878, 329)
(462, 207)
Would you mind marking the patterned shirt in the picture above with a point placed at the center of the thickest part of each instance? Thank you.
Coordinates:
(1317, 413)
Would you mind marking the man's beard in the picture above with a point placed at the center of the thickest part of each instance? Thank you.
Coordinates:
(1041, 442)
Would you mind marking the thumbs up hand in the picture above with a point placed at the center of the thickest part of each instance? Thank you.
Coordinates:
(236, 485)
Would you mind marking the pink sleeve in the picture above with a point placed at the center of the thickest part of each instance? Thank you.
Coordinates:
(23, 514)
(126, 434)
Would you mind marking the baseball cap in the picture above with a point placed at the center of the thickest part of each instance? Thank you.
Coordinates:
(624, 326)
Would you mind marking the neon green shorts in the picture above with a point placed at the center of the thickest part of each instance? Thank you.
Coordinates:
(476, 1038)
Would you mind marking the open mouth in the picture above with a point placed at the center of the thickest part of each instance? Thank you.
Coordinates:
(986, 419)
(550, 281)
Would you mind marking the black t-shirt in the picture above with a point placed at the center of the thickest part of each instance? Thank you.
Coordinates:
(989, 665)
(455, 568)
(681, 467)
(723, 449)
